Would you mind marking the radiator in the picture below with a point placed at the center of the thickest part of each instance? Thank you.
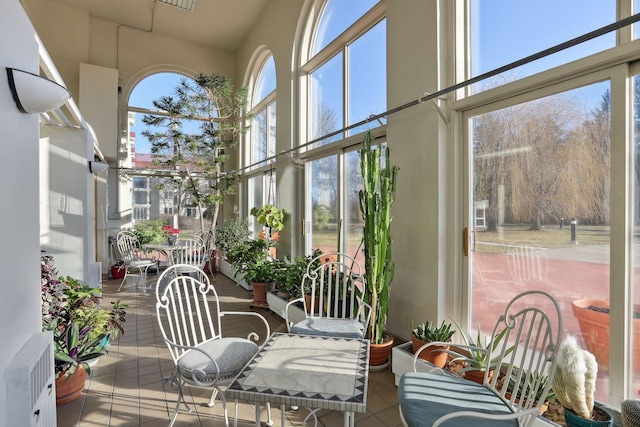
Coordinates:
(30, 384)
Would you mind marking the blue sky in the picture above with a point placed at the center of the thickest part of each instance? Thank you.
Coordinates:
(503, 31)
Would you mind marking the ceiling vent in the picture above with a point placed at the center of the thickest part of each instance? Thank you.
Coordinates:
(181, 4)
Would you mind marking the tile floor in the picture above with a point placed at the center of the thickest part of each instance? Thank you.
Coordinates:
(125, 388)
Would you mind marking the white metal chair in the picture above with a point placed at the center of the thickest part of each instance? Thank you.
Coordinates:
(336, 281)
(131, 254)
(189, 315)
(191, 251)
(509, 397)
(207, 242)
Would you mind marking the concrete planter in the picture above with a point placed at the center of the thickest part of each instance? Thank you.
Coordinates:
(402, 361)
(229, 270)
(277, 305)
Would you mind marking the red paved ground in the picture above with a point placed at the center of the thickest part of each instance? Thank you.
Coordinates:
(566, 280)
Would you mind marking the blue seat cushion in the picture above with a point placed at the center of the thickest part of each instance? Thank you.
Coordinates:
(231, 354)
(425, 397)
(338, 328)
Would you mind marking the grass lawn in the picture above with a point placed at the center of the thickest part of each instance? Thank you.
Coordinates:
(547, 237)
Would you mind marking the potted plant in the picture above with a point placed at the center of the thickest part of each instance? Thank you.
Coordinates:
(80, 327)
(574, 385)
(475, 354)
(289, 274)
(171, 234)
(376, 200)
(232, 234)
(428, 332)
(529, 383)
(593, 320)
(253, 261)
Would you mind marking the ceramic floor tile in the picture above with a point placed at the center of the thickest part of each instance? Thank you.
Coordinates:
(126, 387)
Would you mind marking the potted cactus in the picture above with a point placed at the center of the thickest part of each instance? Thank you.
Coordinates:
(574, 385)
(376, 200)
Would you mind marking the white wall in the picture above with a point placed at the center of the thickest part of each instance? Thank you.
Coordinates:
(19, 183)
(70, 237)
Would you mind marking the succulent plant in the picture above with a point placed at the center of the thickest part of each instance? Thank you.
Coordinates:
(428, 332)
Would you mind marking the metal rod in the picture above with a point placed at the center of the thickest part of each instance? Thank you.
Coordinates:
(526, 60)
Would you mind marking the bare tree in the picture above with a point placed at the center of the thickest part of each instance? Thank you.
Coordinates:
(540, 161)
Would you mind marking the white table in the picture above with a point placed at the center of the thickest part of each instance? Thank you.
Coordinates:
(310, 371)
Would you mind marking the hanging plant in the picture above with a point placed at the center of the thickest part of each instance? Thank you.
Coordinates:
(270, 216)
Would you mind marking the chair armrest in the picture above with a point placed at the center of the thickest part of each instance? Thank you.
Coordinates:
(424, 347)
(364, 312)
(286, 311)
(252, 336)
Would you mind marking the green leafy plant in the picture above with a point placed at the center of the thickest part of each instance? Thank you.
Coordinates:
(149, 231)
(530, 381)
(232, 236)
(289, 273)
(270, 216)
(428, 332)
(81, 328)
(376, 200)
(259, 270)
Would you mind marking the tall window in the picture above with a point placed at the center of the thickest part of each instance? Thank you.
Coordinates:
(261, 187)
(551, 201)
(345, 74)
(501, 35)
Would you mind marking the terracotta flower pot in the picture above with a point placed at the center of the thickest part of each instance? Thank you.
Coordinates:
(434, 354)
(71, 387)
(477, 376)
(259, 290)
(308, 303)
(379, 353)
(594, 327)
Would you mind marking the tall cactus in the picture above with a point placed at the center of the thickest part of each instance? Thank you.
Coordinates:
(376, 200)
(574, 382)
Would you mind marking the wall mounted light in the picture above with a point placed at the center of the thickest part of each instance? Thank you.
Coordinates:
(97, 167)
(35, 94)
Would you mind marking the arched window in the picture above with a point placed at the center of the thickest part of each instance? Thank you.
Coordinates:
(261, 141)
(343, 71)
(263, 111)
(152, 197)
